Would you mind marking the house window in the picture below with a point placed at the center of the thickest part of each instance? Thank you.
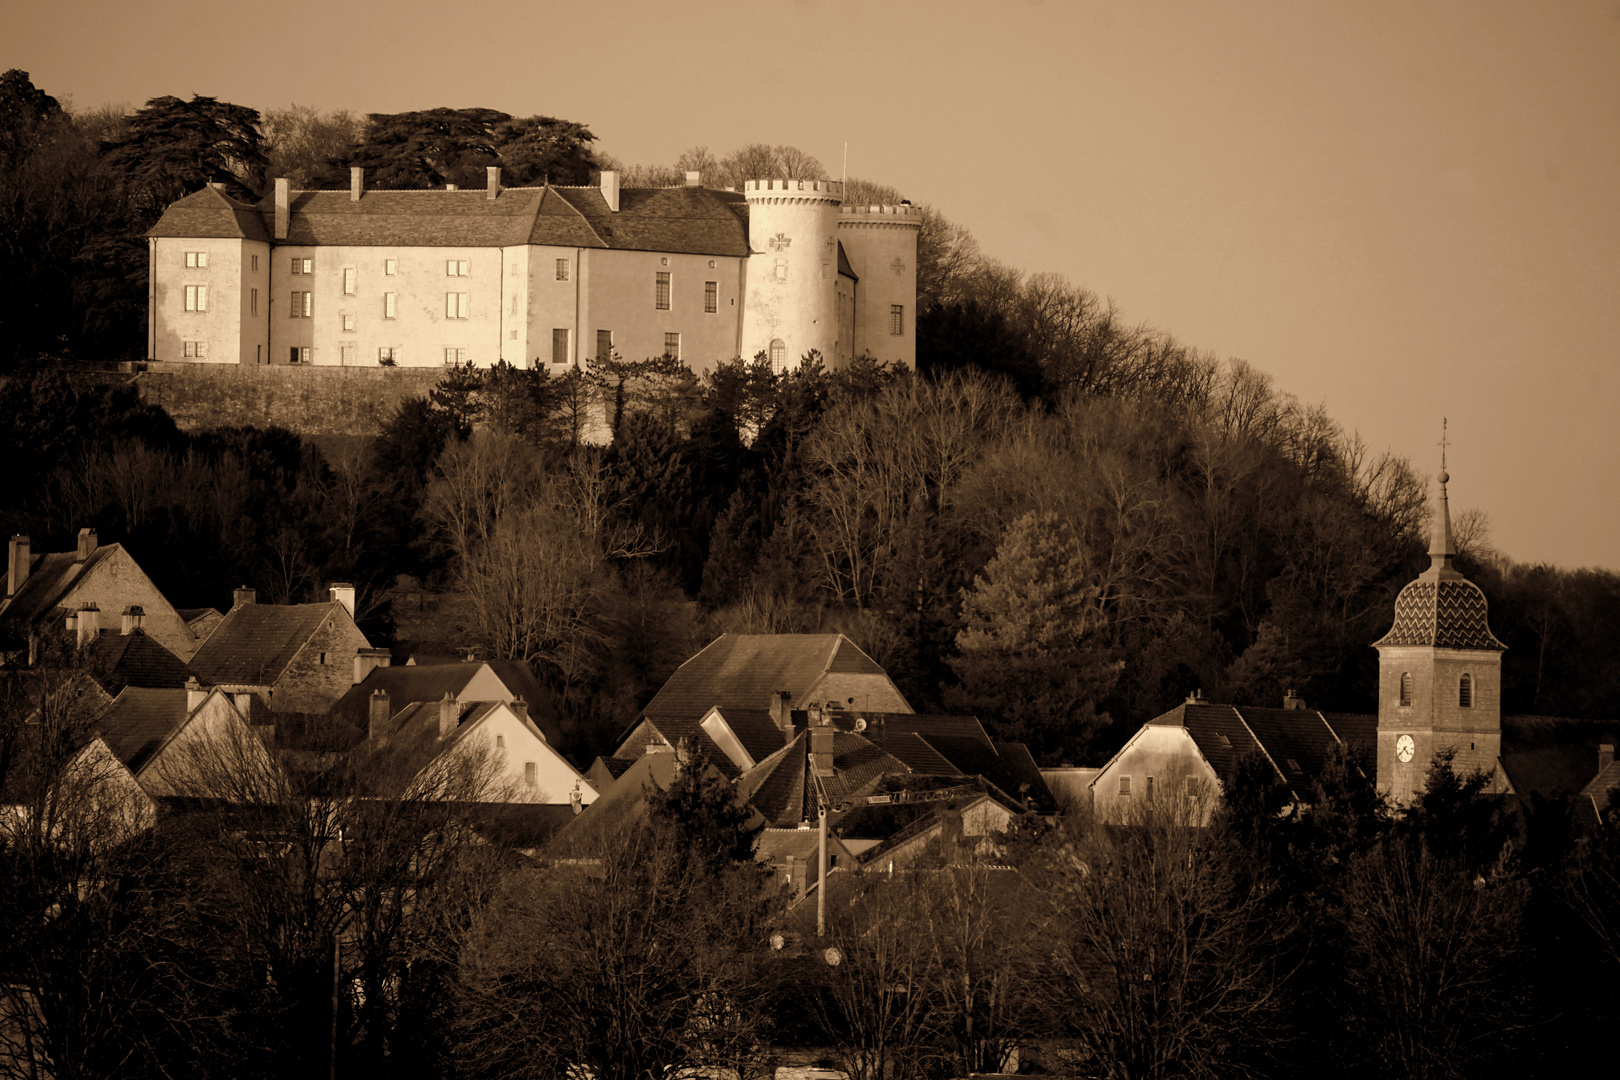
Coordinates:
(196, 260)
(1406, 688)
(455, 305)
(559, 346)
(711, 297)
(390, 305)
(604, 344)
(500, 742)
(303, 266)
(346, 355)
(196, 298)
(348, 322)
(897, 318)
(562, 269)
(386, 356)
(253, 301)
(1149, 791)
(302, 306)
(661, 291)
(531, 774)
(672, 346)
(196, 350)
(1124, 787)
(455, 354)
(1465, 692)
(323, 659)
(299, 355)
(390, 267)
(348, 281)
(458, 267)
(778, 354)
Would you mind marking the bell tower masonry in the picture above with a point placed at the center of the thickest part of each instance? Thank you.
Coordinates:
(789, 307)
(1439, 674)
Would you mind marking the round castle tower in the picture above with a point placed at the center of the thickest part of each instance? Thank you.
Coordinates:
(881, 245)
(790, 306)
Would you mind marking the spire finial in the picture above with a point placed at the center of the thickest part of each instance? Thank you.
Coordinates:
(1444, 442)
(1441, 547)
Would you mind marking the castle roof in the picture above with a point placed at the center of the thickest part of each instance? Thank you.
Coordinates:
(681, 220)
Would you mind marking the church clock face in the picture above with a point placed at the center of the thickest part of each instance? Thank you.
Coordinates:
(1404, 748)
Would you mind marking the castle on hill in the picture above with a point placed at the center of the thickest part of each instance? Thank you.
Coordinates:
(539, 277)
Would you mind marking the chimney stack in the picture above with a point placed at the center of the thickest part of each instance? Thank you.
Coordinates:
(195, 695)
(821, 745)
(342, 592)
(88, 624)
(357, 182)
(1196, 698)
(18, 565)
(242, 596)
(87, 544)
(694, 178)
(492, 185)
(380, 712)
(134, 615)
(283, 206)
(1292, 700)
(519, 707)
(1605, 756)
(368, 660)
(610, 189)
(449, 715)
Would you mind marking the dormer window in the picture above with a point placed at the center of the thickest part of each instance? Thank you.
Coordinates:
(1406, 688)
(1465, 692)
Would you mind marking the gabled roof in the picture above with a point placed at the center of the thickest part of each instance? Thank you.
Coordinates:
(50, 577)
(138, 722)
(781, 789)
(1296, 742)
(1553, 756)
(256, 642)
(680, 220)
(134, 659)
(744, 670)
(410, 683)
(211, 214)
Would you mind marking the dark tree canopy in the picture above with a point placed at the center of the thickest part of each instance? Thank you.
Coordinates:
(430, 148)
(176, 147)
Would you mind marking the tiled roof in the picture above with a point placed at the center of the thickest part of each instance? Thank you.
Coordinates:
(1445, 613)
(211, 214)
(430, 682)
(134, 659)
(756, 731)
(1553, 756)
(680, 220)
(744, 670)
(50, 577)
(1358, 730)
(138, 722)
(680, 731)
(621, 806)
(1296, 741)
(780, 788)
(256, 642)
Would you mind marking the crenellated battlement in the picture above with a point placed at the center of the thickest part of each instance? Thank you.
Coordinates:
(812, 189)
(881, 211)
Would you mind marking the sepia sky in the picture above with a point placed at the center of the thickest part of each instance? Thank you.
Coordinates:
(1401, 209)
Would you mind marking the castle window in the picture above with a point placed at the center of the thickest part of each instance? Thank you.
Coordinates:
(711, 297)
(302, 306)
(255, 264)
(390, 305)
(661, 291)
(562, 269)
(348, 322)
(348, 281)
(390, 267)
(196, 260)
(253, 301)
(196, 298)
(1406, 688)
(897, 318)
(1124, 787)
(778, 354)
(458, 267)
(672, 346)
(346, 355)
(455, 305)
(196, 350)
(559, 345)
(385, 356)
(298, 355)
(604, 344)
(303, 266)
(455, 354)
(1465, 692)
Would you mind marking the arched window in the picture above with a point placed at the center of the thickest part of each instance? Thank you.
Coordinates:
(778, 354)
(1406, 688)
(1465, 691)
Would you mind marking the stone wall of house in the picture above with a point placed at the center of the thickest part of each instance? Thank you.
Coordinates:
(323, 670)
(312, 400)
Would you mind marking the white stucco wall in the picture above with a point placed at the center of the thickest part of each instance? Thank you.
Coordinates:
(792, 268)
(1182, 781)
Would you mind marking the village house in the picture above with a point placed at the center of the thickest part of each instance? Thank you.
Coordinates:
(292, 657)
(191, 742)
(549, 276)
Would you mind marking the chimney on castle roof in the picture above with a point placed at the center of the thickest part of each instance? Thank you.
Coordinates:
(18, 564)
(283, 206)
(357, 182)
(492, 185)
(694, 178)
(87, 544)
(379, 712)
(610, 189)
(449, 715)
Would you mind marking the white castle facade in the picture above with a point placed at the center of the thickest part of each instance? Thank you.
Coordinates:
(548, 277)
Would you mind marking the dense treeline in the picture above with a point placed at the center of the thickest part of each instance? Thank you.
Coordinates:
(306, 928)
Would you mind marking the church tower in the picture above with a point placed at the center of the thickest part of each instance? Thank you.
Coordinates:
(1439, 674)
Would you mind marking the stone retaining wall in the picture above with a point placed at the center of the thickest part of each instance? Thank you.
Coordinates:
(309, 400)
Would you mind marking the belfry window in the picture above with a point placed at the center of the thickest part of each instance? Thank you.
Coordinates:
(1406, 688)
(1465, 692)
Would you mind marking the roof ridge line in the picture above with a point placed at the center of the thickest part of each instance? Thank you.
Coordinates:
(1273, 761)
(581, 215)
